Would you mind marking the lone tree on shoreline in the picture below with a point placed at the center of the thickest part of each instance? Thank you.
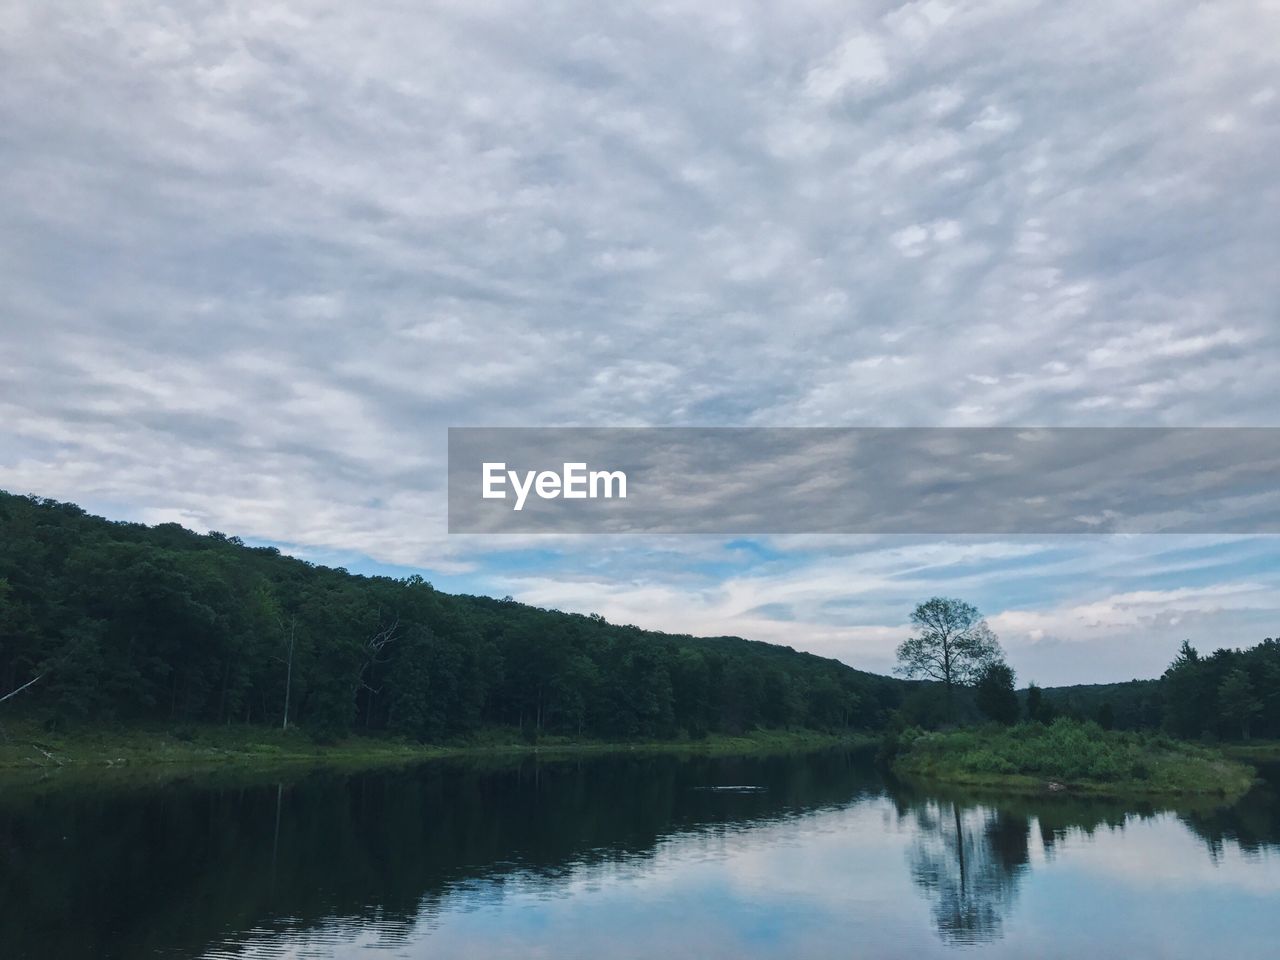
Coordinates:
(953, 644)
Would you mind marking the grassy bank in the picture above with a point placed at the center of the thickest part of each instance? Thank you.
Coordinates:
(28, 746)
(1254, 751)
(1068, 756)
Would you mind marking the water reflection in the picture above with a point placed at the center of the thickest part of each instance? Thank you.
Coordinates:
(1253, 824)
(451, 858)
(968, 862)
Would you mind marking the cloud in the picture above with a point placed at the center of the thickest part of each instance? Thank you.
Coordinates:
(858, 62)
(255, 259)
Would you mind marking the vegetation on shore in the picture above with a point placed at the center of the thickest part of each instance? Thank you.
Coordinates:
(1254, 751)
(981, 738)
(1067, 755)
(29, 746)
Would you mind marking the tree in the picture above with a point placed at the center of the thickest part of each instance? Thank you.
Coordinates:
(1035, 703)
(1188, 689)
(1106, 715)
(994, 693)
(953, 646)
(1236, 700)
(288, 674)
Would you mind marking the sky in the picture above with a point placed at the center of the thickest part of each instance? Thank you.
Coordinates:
(256, 258)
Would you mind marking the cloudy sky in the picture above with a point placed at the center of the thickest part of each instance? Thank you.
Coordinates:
(255, 258)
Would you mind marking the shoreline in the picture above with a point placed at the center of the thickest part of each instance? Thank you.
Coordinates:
(28, 752)
(27, 749)
(1025, 785)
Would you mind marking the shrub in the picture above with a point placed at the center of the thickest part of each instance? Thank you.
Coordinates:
(1065, 750)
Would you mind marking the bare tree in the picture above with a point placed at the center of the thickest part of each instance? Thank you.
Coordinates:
(290, 633)
(373, 657)
(953, 645)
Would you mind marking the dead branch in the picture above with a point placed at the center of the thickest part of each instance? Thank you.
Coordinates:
(14, 693)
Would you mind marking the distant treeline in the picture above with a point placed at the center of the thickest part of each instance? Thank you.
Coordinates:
(1227, 695)
(124, 622)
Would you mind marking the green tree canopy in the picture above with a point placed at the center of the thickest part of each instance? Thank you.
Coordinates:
(994, 693)
(121, 621)
(953, 644)
(1237, 701)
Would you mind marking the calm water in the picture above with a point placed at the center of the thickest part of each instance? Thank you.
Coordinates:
(625, 857)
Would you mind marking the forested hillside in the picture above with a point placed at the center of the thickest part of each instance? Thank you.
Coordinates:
(124, 622)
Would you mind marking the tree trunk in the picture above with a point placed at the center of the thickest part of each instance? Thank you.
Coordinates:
(947, 680)
(288, 676)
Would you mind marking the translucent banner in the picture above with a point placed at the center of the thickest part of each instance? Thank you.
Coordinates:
(1003, 480)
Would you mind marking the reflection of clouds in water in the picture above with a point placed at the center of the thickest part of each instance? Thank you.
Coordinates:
(909, 873)
(794, 887)
(1157, 854)
(835, 879)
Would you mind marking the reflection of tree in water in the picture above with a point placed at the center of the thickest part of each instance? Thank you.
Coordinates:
(969, 862)
(972, 849)
(1253, 823)
(174, 868)
(317, 856)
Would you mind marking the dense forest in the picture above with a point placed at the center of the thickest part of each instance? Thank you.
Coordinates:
(120, 622)
(1130, 705)
(1225, 695)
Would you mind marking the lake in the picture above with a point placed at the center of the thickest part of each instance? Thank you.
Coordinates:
(624, 856)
